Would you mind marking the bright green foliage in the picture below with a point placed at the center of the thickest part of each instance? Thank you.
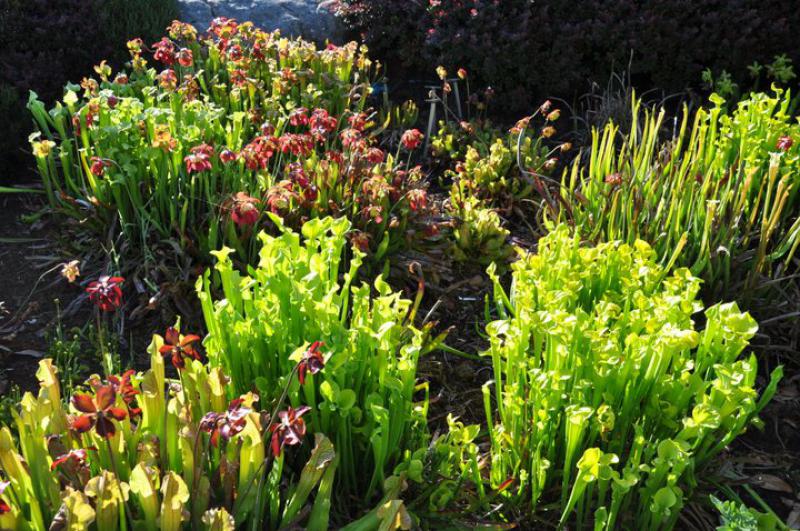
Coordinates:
(725, 188)
(608, 399)
(490, 169)
(364, 399)
(452, 139)
(487, 175)
(478, 235)
(159, 468)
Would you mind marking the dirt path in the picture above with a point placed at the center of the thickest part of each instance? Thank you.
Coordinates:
(28, 308)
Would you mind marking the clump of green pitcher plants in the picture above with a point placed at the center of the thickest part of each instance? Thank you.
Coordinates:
(607, 399)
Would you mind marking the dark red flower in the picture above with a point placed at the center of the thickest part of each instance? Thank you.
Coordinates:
(335, 157)
(185, 57)
(179, 347)
(360, 240)
(258, 152)
(98, 166)
(352, 139)
(267, 129)
(784, 143)
(227, 156)
(298, 175)
(290, 429)
(244, 209)
(165, 51)
(235, 53)
(78, 457)
(199, 158)
(310, 194)
(227, 424)
(312, 361)
(417, 199)
(358, 121)
(98, 412)
(112, 101)
(4, 507)
(375, 155)
(298, 117)
(321, 124)
(123, 387)
(106, 293)
(296, 144)
(411, 139)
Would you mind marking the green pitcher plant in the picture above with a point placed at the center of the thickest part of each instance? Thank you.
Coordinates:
(722, 185)
(141, 451)
(501, 169)
(607, 398)
(302, 304)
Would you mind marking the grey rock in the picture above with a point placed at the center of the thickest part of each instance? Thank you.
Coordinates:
(295, 18)
(196, 12)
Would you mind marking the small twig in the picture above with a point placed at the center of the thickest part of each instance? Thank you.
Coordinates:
(780, 318)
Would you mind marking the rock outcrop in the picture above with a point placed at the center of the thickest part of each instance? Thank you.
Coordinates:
(293, 17)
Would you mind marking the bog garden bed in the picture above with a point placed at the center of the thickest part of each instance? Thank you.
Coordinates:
(297, 305)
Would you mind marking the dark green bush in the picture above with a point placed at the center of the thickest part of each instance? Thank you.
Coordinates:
(527, 50)
(45, 43)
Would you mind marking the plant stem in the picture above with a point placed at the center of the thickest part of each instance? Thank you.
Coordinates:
(107, 364)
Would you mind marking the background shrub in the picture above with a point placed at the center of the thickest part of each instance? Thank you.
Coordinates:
(44, 43)
(527, 50)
